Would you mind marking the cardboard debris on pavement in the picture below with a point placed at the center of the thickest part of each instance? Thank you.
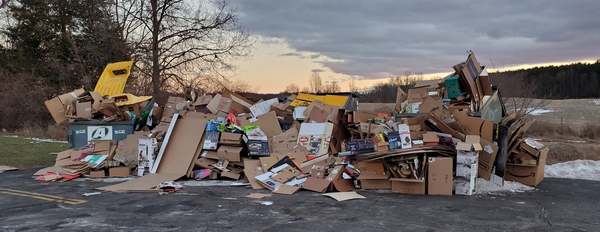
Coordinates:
(436, 139)
(4, 168)
(344, 196)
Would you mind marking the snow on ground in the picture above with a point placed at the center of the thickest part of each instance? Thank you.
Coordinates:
(576, 169)
(538, 112)
(38, 140)
(487, 187)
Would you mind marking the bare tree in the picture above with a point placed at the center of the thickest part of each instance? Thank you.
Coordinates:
(331, 87)
(180, 39)
(292, 88)
(316, 84)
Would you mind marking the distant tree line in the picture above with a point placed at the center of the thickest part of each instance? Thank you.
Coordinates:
(553, 82)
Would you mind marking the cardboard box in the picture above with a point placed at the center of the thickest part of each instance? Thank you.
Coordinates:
(98, 173)
(439, 176)
(231, 175)
(316, 184)
(408, 186)
(417, 93)
(269, 124)
(230, 139)
(252, 168)
(219, 104)
(404, 132)
(229, 153)
(528, 175)
(466, 172)
(119, 172)
(285, 142)
(371, 128)
(56, 109)
(83, 110)
(371, 170)
(430, 138)
(368, 184)
(487, 158)
(315, 137)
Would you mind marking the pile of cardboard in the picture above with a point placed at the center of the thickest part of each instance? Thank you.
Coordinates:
(436, 139)
(442, 136)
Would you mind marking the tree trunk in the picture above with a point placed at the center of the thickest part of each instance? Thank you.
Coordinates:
(156, 82)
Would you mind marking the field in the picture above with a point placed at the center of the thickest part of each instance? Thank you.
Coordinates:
(28, 153)
(569, 127)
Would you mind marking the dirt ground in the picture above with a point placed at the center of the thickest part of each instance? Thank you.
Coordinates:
(570, 127)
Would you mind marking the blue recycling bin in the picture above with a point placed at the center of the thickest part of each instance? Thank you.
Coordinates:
(81, 132)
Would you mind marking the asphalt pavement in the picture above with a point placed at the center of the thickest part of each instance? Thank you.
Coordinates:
(26, 205)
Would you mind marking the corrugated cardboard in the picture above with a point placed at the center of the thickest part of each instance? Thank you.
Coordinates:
(230, 139)
(145, 183)
(408, 186)
(344, 196)
(307, 166)
(316, 184)
(286, 189)
(335, 178)
(371, 170)
(83, 110)
(202, 100)
(439, 177)
(127, 151)
(487, 158)
(205, 162)
(286, 141)
(368, 184)
(529, 175)
(231, 175)
(177, 157)
(417, 93)
(229, 153)
(430, 138)
(475, 125)
(269, 124)
(252, 168)
(98, 173)
(315, 137)
(268, 162)
(119, 172)
(56, 109)
(285, 174)
(466, 172)
(219, 104)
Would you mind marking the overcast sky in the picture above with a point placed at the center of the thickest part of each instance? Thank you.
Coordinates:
(373, 39)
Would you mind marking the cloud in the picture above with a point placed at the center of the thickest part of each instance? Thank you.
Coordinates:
(368, 38)
(292, 54)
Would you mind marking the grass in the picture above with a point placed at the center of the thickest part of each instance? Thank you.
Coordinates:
(25, 153)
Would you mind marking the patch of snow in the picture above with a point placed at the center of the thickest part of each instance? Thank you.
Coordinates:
(576, 169)
(38, 140)
(265, 202)
(206, 183)
(538, 112)
(486, 187)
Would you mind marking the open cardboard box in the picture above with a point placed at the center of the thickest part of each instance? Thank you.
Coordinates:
(527, 174)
